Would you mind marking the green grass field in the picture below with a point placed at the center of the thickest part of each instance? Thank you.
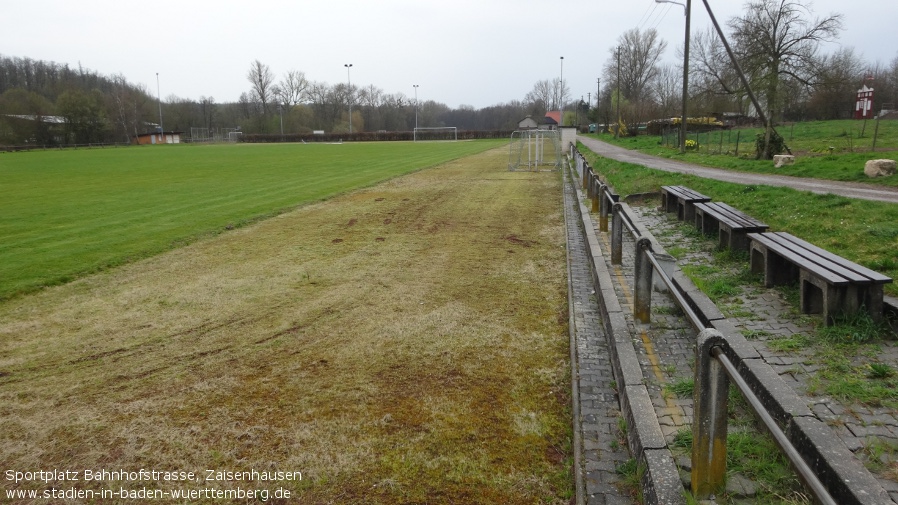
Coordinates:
(64, 214)
(811, 141)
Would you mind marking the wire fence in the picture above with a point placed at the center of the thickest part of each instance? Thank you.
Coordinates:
(859, 137)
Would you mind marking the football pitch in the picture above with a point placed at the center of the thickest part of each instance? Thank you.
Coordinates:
(64, 214)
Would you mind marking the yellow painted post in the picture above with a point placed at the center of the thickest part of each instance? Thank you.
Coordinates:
(709, 426)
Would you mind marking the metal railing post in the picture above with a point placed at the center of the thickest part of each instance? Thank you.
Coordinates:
(709, 427)
(617, 234)
(642, 283)
(604, 203)
(596, 192)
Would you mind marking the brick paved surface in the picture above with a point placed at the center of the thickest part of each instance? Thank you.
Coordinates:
(603, 448)
(665, 348)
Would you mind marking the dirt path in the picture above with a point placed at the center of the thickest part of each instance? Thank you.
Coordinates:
(848, 189)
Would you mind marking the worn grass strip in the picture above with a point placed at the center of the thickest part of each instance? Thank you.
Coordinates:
(67, 213)
(404, 343)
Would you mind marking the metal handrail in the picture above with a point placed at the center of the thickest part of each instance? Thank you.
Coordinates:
(798, 463)
(696, 321)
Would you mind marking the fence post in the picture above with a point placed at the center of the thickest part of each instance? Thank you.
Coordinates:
(642, 289)
(603, 206)
(585, 176)
(709, 425)
(617, 234)
(596, 193)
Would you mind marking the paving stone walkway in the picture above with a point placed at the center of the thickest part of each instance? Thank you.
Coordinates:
(603, 447)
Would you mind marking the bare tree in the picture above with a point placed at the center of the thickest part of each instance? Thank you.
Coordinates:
(207, 109)
(543, 93)
(640, 53)
(293, 88)
(779, 39)
(262, 80)
(667, 89)
(560, 92)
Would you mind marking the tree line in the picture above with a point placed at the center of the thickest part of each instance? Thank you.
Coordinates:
(96, 108)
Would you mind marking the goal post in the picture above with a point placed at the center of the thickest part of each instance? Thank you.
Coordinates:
(534, 150)
(449, 133)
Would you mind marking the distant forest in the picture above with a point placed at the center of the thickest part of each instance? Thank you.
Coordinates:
(46, 103)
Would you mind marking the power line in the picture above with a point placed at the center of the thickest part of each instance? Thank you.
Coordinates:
(662, 16)
(646, 16)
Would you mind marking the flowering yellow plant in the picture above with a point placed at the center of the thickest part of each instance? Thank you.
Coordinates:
(691, 144)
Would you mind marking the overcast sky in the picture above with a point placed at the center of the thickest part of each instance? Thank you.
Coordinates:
(473, 52)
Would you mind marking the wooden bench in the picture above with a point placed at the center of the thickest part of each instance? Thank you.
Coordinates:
(730, 225)
(828, 284)
(681, 200)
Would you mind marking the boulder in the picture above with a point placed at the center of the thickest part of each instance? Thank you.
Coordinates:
(879, 168)
(780, 160)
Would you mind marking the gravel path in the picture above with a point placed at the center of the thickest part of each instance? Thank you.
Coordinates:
(848, 189)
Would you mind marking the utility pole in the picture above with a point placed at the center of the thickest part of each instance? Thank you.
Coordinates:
(598, 91)
(617, 130)
(687, 10)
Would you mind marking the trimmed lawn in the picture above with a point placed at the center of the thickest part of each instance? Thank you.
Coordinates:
(67, 213)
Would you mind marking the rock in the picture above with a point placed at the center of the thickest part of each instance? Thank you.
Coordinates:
(879, 168)
(737, 485)
(780, 160)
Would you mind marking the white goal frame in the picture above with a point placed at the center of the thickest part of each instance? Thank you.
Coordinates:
(435, 133)
(534, 150)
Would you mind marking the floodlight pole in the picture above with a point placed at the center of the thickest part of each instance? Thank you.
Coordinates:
(561, 96)
(159, 100)
(414, 137)
(349, 94)
(281, 112)
(687, 10)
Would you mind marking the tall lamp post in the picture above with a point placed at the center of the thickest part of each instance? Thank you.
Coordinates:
(561, 95)
(687, 8)
(281, 113)
(349, 94)
(416, 109)
(159, 99)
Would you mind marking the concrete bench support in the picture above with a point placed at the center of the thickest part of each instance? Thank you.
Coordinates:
(729, 224)
(681, 200)
(828, 284)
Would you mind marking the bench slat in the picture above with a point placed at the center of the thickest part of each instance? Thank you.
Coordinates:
(684, 192)
(835, 269)
(770, 241)
(872, 275)
(730, 216)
